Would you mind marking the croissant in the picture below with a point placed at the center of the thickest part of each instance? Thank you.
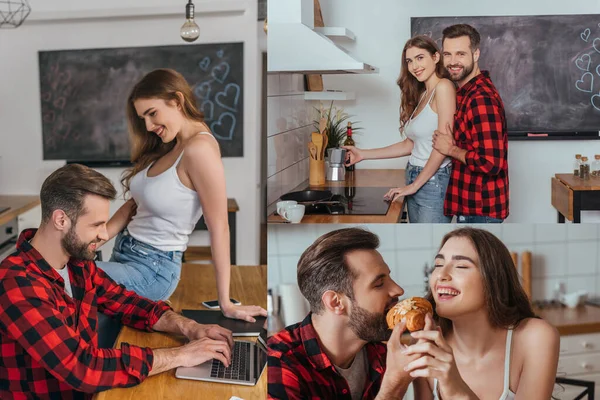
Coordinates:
(413, 309)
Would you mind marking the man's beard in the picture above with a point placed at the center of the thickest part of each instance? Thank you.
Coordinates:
(368, 326)
(76, 248)
(467, 69)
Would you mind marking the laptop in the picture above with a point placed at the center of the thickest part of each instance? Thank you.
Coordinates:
(248, 361)
(236, 326)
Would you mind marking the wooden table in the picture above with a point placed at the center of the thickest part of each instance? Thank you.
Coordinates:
(360, 178)
(197, 284)
(572, 321)
(18, 205)
(232, 209)
(571, 195)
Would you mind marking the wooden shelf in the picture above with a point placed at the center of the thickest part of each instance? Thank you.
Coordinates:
(202, 7)
(336, 32)
(329, 95)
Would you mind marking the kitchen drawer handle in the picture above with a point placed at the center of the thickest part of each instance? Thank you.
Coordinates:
(587, 345)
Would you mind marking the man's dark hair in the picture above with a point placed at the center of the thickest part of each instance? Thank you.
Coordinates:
(65, 189)
(458, 30)
(323, 265)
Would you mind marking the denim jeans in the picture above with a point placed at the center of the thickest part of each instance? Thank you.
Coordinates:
(477, 219)
(427, 204)
(148, 271)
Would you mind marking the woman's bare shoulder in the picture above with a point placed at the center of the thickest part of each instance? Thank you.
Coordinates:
(534, 333)
(445, 86)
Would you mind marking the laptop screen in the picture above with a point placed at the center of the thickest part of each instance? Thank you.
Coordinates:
(261, 352)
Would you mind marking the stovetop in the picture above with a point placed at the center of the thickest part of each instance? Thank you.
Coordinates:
(3, 208)
(353, 201)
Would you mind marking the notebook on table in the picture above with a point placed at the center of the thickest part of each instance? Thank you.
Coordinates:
(248, 361)
(238, 327)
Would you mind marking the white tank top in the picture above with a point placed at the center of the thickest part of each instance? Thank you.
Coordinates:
(420, 131)
(506, 393)
(167, 210)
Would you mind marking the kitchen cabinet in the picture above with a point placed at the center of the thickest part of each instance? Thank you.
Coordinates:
(579, 359)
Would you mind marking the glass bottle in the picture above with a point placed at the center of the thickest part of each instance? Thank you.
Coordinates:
(577, 165)
(584, 169)
(596, 166)
(349, 142)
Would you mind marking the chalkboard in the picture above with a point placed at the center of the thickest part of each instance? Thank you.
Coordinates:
(84, 93)
(546, 68)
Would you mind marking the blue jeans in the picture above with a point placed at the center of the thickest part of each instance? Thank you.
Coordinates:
(427, 204)
(477, 219)
(148, 271)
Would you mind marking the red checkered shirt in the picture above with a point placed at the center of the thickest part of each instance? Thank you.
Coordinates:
(48, 340)
(479, 187)
(298, 368)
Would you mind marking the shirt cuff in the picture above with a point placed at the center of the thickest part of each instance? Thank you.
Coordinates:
(137, 361)
(157, 311)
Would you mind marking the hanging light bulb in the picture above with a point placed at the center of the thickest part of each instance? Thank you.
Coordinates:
(189, 30)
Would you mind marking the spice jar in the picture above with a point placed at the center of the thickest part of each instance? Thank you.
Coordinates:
(577, 165)
(596, 167)
(584, 169)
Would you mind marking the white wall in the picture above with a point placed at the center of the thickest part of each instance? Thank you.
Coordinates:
(22, 169)
(382, 27)
(566, 253)
(289, 124)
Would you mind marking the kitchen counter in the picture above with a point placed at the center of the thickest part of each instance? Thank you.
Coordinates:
(360, 178)
(572, 321)
(18, 205)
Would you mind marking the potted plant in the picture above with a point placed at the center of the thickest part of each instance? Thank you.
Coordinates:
(337, 121)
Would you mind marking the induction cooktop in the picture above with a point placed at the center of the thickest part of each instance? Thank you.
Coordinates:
(353, 201)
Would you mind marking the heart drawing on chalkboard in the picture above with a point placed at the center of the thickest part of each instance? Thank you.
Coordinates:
(208, 109)
(220, 72)
(224, 127)
(596, 101)
(60, 103)
(202, 91)
(580, 62)
(48, 117)
(596, 44)
(584, 85)
(204, 64)
(229, 97)
(585, 35)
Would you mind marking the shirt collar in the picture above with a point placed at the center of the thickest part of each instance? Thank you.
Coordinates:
(474, 82)
(376, 352)
(30, 253)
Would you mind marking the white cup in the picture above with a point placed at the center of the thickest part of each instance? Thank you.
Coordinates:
(281, 205)
(294, 214)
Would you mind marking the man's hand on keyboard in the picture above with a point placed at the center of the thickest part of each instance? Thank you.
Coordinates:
(216, 332)
(199, 351)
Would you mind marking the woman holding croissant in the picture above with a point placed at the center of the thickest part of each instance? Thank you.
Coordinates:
(484, 341)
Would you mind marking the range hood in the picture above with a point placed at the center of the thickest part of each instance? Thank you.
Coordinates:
(293, 45)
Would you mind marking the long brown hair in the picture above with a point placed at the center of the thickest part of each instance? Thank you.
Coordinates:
(505, 300)
(410, 87)
(145, 147)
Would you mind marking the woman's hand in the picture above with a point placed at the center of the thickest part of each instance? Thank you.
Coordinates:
(131, 208)
(437, 361)
(394, 193)
(245, 313)
(353, 155)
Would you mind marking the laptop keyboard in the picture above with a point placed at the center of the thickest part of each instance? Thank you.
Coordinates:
(239, 369)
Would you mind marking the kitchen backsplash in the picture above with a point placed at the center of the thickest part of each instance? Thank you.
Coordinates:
(288, 130)
(566, 253)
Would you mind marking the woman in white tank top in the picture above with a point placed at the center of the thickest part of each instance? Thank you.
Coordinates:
(428, 103)
(177, 176)
(484, 341)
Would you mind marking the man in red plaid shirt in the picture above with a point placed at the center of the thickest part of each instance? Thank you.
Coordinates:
(478, 187)
(50, 295)
(335, 353)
